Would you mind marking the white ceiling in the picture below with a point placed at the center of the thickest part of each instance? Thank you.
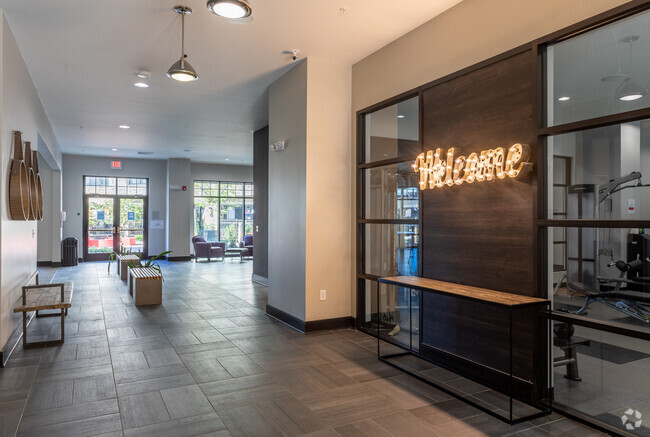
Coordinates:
(83, 55)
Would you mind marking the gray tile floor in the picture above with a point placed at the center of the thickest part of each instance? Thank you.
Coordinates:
(210, 362)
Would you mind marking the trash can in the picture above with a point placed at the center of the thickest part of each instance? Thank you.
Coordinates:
(69, 252)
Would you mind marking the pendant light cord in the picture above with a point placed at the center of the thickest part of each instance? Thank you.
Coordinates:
(183, 38)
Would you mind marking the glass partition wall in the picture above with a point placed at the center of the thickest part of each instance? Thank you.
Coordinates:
(388, 215)
(597, 221)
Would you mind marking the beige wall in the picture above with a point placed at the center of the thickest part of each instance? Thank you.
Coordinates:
(328, 261)
(468, 33)
(21, 110)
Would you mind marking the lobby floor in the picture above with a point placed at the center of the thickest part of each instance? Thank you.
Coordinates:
(210, 362)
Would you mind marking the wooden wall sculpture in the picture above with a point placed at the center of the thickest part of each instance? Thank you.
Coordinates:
(25, 190)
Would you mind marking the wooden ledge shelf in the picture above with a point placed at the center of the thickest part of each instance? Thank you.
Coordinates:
(463, 291)
(493, 338)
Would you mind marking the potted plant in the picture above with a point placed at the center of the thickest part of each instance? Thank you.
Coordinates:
(113, 255)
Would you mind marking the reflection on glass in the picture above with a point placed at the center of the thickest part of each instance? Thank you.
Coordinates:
(607, 381)
(607, 275)
(398, 316)
(607, 173)
(393, 131)
(391, 250)
(602, 72)
(392, 192)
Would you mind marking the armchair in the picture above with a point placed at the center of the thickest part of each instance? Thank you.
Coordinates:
(208, 249)
(247, 244)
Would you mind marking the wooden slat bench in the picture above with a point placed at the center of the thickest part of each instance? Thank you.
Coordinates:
(42, 297)
(145, 284)
(123, 265)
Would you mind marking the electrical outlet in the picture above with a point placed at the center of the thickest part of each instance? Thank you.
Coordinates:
(323, 294)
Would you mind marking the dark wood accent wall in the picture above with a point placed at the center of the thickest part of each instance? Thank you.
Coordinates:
(261, 202)
(482, 234)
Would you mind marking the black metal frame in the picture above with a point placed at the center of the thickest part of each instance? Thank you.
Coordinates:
(116, 209)
(543, 409)
(361, 220)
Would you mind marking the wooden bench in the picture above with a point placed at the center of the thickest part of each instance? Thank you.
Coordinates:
(145, 284)
(123, 265)
(42, 297)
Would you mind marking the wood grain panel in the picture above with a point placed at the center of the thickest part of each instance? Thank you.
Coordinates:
(482, 234)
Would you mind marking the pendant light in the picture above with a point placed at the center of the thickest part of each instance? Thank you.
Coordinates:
(630, 90)
(231, 9)
(181, 70)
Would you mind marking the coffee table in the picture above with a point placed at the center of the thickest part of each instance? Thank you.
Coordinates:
(237, 251)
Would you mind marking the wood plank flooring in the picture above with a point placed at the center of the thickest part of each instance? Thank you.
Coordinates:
(208, 361)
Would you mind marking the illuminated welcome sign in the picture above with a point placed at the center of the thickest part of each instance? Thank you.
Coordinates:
(487, 165)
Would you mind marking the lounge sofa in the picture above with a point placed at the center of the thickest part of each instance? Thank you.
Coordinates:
(208, 249)
(247, 244)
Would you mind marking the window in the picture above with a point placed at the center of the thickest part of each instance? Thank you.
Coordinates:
(388, 220)
(223, 211)
(110, 186)
(597, 218)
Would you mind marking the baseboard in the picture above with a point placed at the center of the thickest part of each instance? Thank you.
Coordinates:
(329, 324)
(56, 263)
(44, 264)
(14, 340)
(179, 258)
(311, 326)
(260, 280)
(286, 318)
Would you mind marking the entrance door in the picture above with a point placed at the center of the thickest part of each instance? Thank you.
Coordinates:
(115, 217)
(131, 224)
(100, 228)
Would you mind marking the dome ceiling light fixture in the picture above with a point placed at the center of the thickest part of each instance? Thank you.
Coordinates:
(628, 89)
(230, 9)
(181, 70)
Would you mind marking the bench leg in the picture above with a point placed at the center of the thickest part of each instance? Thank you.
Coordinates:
(35, 344)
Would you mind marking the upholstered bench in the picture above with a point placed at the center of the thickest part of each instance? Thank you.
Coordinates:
(145, 284)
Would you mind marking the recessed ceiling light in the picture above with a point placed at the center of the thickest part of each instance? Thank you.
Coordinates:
(141, 84)
(564, 98)
(143, 74)
(401, 116)
(227, 159)
(232, 9)
(114, 150)
(124, 126)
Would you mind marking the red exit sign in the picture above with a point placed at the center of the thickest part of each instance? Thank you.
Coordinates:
(116, 165)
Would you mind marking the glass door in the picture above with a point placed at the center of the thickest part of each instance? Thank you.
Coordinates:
(232, 221)
(131, 225)
(100, 228)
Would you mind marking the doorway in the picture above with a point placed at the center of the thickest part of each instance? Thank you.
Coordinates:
(115, 216)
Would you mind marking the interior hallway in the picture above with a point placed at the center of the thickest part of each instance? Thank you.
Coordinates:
(210, 362)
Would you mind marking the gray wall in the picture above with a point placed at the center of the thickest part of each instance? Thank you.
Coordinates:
(179, 218)
(261, 202)
(220, 172)
(77, 166)
(21, 110)
(287, 198)
(45, 243)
